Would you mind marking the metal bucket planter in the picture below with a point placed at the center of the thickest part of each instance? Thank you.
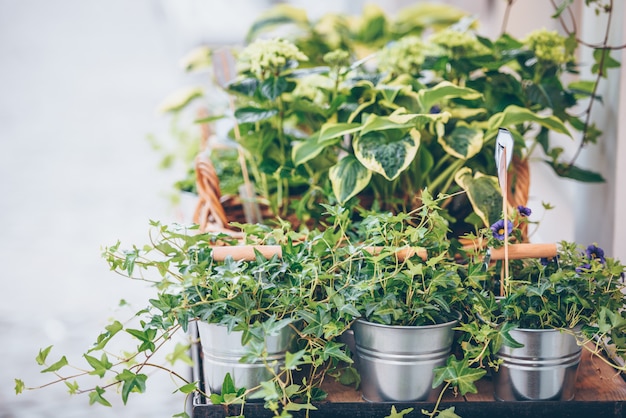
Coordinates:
(396, 362)
(544, 369)
(222, 351)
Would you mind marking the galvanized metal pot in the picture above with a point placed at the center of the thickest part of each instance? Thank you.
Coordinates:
(222, 351)
(544, 369)
(396, 362)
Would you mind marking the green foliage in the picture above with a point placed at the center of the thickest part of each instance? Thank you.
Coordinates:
(576, 290)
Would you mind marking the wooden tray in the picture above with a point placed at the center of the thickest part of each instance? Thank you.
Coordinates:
(600, 393)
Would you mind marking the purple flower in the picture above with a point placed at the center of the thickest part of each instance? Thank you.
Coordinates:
(583, 268)
(435, 109)
(524, 211)
(545, 261)
(498, 229)
(594, 251)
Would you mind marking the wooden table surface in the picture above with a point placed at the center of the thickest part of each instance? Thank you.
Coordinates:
(600, 393)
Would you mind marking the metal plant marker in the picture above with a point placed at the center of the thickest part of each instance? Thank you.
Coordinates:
(503, 155)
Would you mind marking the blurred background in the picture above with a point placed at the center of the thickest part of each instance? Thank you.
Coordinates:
(80, 84)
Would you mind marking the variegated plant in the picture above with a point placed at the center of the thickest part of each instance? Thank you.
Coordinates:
(369, 111)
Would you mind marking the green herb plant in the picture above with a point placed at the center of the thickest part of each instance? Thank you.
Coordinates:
(579, 291)
(258, 297)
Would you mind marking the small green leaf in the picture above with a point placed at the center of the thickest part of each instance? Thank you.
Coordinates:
(56, 366)
(459, 374)
(506, 336)
(131, 383)
(395, 414)
(292, 406)
(188, 388)
(43, 354)
(99, 366)
(96, 397)
(576, 173)
(19, 386)
(105, 337)
(180, 353)
(72, 387)
(293, 360)
(603, 61)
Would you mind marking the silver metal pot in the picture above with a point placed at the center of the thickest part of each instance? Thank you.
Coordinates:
(222, 351)
(396, 362)
(544, 369)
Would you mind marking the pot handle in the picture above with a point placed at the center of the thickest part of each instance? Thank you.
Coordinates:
(525, 250)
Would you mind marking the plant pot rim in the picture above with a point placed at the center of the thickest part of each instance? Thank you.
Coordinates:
(439, 325)
(576, 328)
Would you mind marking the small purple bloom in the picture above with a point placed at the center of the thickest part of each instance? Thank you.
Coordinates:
(524, 211)
(435, 109)
(594, 251)
(583, 268)
(498, 229)
(545, 261)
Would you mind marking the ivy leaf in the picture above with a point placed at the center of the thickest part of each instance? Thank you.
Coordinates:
(72, 387)
(96, 397)
(180, 353)
(132, 383)
(293, 360)
(459, 374)
(448, 413)
(43, 354)
(315, 321)
(292, 406)
(99, 366)
(56, 366)
(333, 350)
(395, 414)
(105, 337)
(19, 386)
(603, 61)
(188, 388)
(146, 337)
(506, 336)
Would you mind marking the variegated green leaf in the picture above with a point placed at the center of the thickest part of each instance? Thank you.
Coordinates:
(463, 142)
(401, 121)
(333, 130)
(514, 115)
(387, 153)
(282, 14)
(445, 91)
(348, 177)
(179, 99)
(308, 149)
(483, 192)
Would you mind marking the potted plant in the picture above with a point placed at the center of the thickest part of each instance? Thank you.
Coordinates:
(255, 303)
(317, 118)
(550, 309)
(407, 295)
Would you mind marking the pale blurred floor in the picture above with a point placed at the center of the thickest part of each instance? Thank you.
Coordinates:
(79, 85)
